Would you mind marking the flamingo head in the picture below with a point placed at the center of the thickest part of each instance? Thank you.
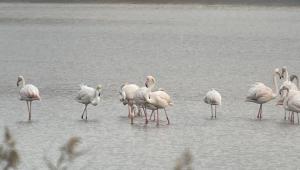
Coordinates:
(150, 82)
(99, 89)
(284, 88)
(20, 79)
(277, 72)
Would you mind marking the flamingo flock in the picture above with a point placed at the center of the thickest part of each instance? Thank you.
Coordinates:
(139, 100)
(145, 98)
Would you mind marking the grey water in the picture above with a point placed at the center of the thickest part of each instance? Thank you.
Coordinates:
(189, 49)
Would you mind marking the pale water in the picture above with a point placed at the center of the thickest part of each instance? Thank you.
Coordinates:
(188, 48)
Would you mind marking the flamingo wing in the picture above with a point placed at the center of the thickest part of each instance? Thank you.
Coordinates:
(212, 97)
(29, 92)
(293, 102)
(85, 94)
(162, 98)
(259, 92)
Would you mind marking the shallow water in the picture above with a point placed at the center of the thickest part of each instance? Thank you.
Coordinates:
(189, 49)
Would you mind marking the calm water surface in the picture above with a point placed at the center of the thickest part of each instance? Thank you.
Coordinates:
(189, 49)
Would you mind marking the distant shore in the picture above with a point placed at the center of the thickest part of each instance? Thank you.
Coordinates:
(204, 2)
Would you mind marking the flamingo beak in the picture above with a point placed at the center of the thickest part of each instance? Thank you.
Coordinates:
(18, 83)
(146, 85)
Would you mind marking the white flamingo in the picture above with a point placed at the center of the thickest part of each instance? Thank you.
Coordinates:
(139, 97)
(127, 92)
(288, 84)
(260, 93)
(88, 95)
(28, 92)
(291, 101)
(152, 107)
(160, 100)
(213, 97)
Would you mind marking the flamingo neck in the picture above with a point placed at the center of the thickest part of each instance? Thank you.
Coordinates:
(286, 74)
(275, 85)
(151, 87)
(147, 97)
(297, 80)
(23, 83)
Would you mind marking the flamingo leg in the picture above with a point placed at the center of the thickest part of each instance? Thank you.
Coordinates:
(211, 110)
(284, 114)
(86, 113)
(83, 111)
(157, 118)
(215, 111)
(293, 117)
(167, 116)
(151, 115)
(298, 117)
(131, 114)
(128, 111)
(259, 112)
(30, 110)
(145, 112)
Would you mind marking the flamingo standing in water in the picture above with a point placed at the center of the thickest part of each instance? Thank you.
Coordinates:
(88, 95)
(28, 92)
(288, 83)
(213, 97)
(160, 100)
(139, 97)
(260, 93)
(291, 101)
(127, 92)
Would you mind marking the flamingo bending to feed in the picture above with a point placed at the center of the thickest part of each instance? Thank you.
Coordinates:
(213, 97)
(291, 101)
(28, 92)
(88, 95)
(260, 93)
(139, 97)
(127, 92)
(160, 100)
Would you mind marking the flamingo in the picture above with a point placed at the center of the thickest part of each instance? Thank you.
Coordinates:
(260, 93)
(88, 95)
(291, 101)
(139, 98)
(152, 107)
(29, 93)
(288, 83)
(160, 100)
(213, 97)
(127, 92)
